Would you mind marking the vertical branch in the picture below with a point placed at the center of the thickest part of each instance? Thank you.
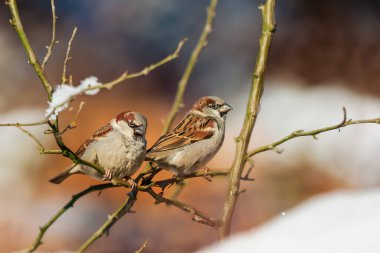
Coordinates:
(67, 58)
(268, 28)
(16, 23)
(53, 41)
(112, 219)
(202, 42)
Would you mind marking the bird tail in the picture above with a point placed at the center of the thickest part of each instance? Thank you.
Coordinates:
(64, 174)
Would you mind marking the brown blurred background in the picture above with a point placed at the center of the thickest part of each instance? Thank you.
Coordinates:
(325, 55)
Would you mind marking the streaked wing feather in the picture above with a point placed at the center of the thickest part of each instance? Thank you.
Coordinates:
(98, 134)
(191, 129)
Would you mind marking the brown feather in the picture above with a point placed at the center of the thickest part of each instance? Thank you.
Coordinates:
(191, 129)
(98, 134)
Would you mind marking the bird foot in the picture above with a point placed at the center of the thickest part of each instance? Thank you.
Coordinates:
(206, 175)
(107, 175)
(132, 184)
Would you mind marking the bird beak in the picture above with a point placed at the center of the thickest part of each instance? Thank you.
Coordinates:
(225, 108)
(138, 132)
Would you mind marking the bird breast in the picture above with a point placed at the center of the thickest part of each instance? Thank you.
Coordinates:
(117, 153)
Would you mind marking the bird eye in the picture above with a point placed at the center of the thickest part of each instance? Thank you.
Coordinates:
(213, 105)
(131, 124)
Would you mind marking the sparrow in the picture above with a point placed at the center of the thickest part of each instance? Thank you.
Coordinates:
(194, 140)
(119, 147)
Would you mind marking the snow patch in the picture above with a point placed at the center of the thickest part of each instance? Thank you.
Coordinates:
(344, 221)
(64, 93)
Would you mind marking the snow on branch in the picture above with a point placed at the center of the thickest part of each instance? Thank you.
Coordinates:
(64, 93)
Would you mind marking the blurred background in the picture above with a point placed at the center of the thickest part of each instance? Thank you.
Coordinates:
(325, 55)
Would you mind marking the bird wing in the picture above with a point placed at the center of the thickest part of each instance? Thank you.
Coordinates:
(101, 132)
(191, 129)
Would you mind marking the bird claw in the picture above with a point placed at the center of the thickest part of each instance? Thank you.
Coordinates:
(107, 175)
(132, 184)
(207, 176)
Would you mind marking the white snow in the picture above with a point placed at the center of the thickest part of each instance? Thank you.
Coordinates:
(64, 93)
(88, 83)
(345, 221)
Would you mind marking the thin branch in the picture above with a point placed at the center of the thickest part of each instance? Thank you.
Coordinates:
(143, 72)
(313, 133)
(112, 219)
(38, 241)
(198, 216)
(175, 180)
(141, 249)
(68, 152)
(268, 28)
(67, 57)
(41, 148)
(126, 76)
(202, 42)
(73, 122)
(16, 23)
(53, 41)
(37, 123)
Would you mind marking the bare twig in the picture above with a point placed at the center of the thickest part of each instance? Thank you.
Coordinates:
(114, 184)
(65, 79)
(268, 28)
(175, 180)
(125, 75)
(112, 219)
(16, 23)
(38, 241)
(141, 249)
(143, 72)
(37, 123)
(313, 133)
(53, 41)
(73, 122)
(68, 152)
(41, 148)
(202, 42)
(198, 216)
(249, 170)
(182, 84)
